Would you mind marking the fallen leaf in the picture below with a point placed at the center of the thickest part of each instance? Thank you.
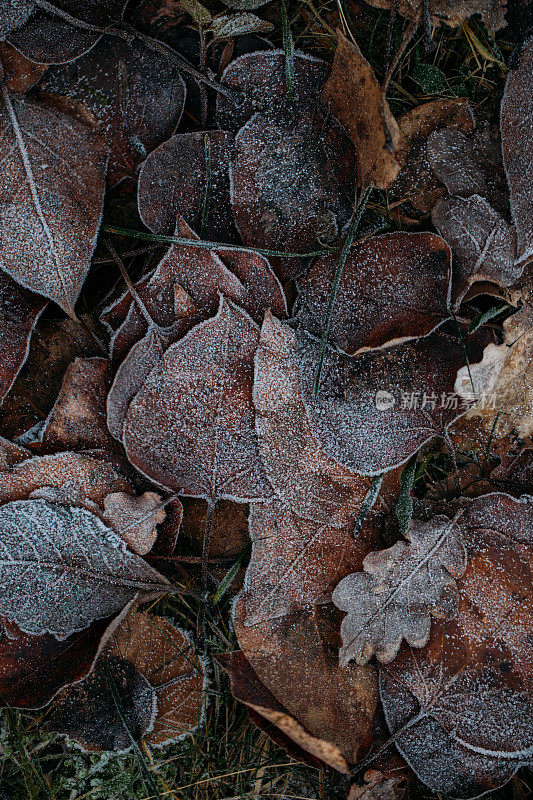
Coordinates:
(19, 312)
(358, 101)
(131, 94)
(517, 143)
(135, 518)
(378, 787)
(173, 182)
(190, 428)
(399, 590)
(226, 26)
(79, 572)
(260, 77)
(393, 288)
(50, 38)
(20, 73)
(501, 385)
(292, 183)
(11, 454)
(78, 418)
(459, 709)
(34, 668)
(53, 178)
(245, 5)
(314, 485)
(451, 12)
(229, 529)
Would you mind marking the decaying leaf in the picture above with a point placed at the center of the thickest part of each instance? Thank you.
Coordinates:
(135, 518)
(151, 671)
(188, 176)
(261, 77)
(52, 177)
(460, 709)
(452, 12)
(226, 26)
(292, 182)
(19, 311)
(50, 37)
(375, 410)
(131, 94)
(70, 568)
(20, 73)
(34, 668)
(501, 385)
(378, 787)
(399, 590)
(356, 98)
(313, 485)
(190, 428)
(393, 288)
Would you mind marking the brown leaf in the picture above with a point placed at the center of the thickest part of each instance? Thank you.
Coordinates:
(19, 311)
(135, 518)
(517, 144)
(47, 38)
(375, 410)
(393, 288)
(459, 709)
(11, 454)
(20, 73)
(356, 98)
(53, 178)
(314, 485)
(260, 76)
(229, 529)
(451, 12)
(292, 182)
(399, 590)
(173, 182)
(502, 383)
(284, 729)
(78, 418)
(191, 426)
(34, 668)
(378, 787)
(133, 96)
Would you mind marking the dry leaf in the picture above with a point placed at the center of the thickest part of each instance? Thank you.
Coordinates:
(226, 26)
(80, 571)
(501, 385)
(135, 518)
(190, 428)
(260, 76)
(452, 12)
(356, 98)
(314, 485)
(460, 708)
(393, 288)
(399, 590)
(131, 94)
(292, 183)
(19, 311)
(378, 787)
(20, 73)
(53, 178)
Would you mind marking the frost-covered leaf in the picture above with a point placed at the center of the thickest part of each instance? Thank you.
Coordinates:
(460, 707)
(157, 678)
(173, 182)
(292, 182)
(34, 668)
(78, 418)
(20, 74)
(503, 380)
(393, 288)
(53, 175)
(358, 101)
(452, 12)
(19, 311)
(50, 38)
(285, 626)
(131, 94)
(190, 428)
(135, 518)
(226, 26)
(399, 590)
(245, 5)
(79, 476)
(517, 146)
(62, 568)
(375, 410)
(313, 484)
(13, 14)
(260, 76)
